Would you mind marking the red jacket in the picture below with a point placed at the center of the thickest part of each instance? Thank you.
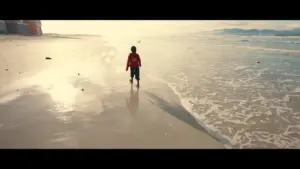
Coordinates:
(133, 60)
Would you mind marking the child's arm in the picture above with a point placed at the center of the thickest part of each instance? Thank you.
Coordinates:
(128, 61)
(140, 62)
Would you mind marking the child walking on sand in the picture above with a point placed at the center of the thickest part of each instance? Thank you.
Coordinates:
(134, 62)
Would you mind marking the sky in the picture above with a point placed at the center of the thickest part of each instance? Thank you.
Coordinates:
(131, 27)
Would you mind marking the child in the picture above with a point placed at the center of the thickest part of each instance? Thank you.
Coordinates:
(134, 62)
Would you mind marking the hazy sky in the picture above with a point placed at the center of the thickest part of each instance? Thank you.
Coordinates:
(138, 27)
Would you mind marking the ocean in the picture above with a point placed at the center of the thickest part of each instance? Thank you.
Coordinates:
(243, 89)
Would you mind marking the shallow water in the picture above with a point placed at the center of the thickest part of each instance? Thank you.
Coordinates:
(244, 92)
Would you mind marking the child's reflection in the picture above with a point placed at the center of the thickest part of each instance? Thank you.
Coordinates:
(133, 101)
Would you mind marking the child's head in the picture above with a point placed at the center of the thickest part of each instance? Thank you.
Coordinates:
(133, 49)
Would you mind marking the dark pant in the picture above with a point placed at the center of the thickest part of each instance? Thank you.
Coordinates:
(135, 71)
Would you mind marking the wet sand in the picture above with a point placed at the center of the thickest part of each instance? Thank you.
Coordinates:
(81, 98)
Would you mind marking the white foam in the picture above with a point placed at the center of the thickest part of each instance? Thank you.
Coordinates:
(296, 90)
(290, 74)
(187, 104)
(269, 41)
(285, 80)
(231, 83)
(265, 49)
(286, 98)
(240, 67)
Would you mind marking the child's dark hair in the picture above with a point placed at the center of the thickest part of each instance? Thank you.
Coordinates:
(133, 49)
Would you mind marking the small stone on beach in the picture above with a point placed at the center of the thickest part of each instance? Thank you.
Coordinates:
(6, 69)
(78, 74)
(48, 58)
(82, 89)
(258, 62)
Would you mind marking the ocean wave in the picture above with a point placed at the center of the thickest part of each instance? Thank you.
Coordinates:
(242, 112)
(266, 49)
(270, 41)
(237, 31)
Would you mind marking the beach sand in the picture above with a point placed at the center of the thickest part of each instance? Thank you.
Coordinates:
(82, 98)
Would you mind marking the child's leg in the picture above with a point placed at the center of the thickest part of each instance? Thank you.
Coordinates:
(131, 74)
(137, 75)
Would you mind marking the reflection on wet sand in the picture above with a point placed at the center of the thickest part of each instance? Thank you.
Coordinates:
(133, 101)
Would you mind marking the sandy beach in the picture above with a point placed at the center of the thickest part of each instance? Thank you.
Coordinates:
(81, 98)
